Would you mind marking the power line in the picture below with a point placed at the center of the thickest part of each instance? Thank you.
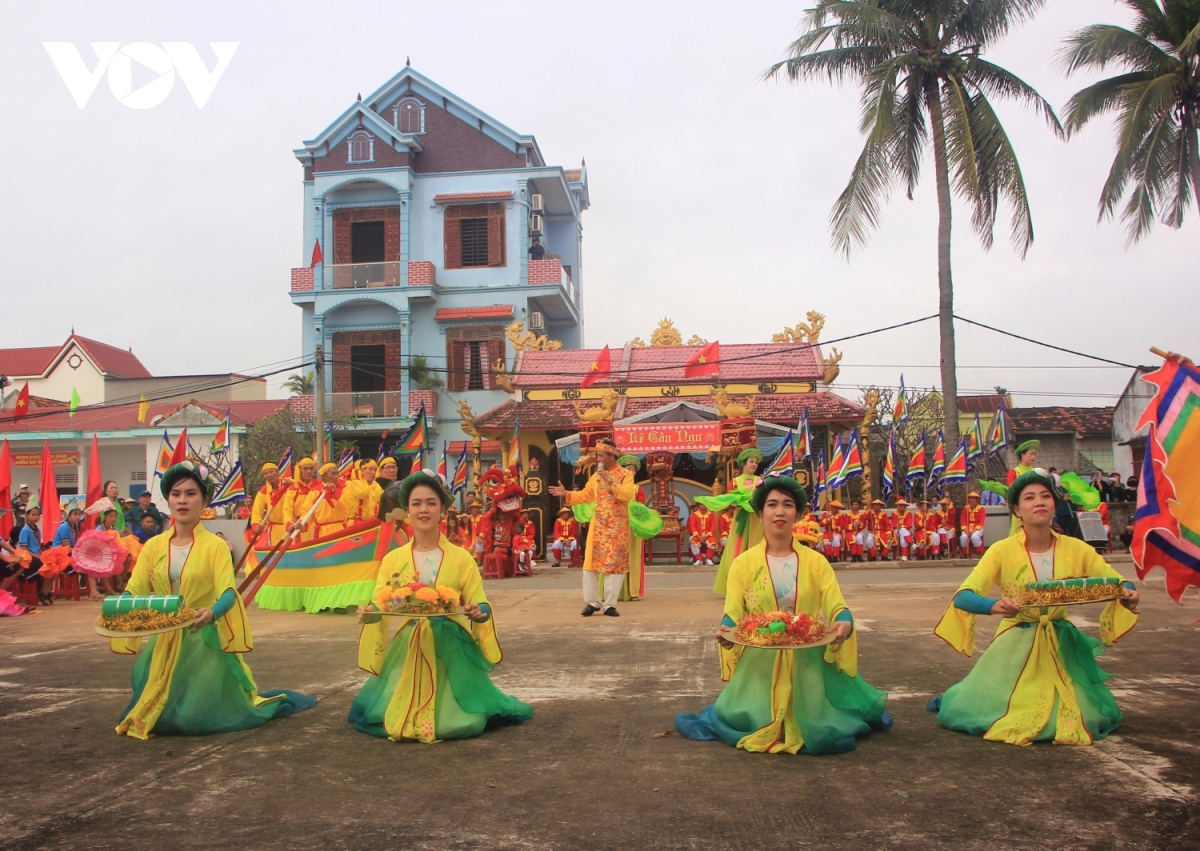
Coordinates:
(1045, 345)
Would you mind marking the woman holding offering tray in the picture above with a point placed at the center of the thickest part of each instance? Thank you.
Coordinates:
(431, 682)
(194, 681)
(1038, 679)
(785, 701)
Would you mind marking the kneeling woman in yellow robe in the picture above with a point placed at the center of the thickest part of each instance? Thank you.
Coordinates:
(1038, 679)
(194, 681)
(431, 682)
(787, 701)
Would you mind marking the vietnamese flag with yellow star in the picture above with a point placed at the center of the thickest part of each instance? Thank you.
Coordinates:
(601, 368)
(704, 362)
(22, 406)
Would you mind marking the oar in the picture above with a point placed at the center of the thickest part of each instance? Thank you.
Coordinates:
(267, 566)
(253, 539)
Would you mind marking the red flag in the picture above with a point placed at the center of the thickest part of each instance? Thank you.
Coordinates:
(95, 486)
(22, 407)
(704, 362)
(601, 368)
(317, 257)
(181, 450)
(48, 496)
(6, 515)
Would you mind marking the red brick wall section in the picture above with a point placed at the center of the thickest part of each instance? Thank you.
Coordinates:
(452, 144)
(302, 280)
(337, 158)
(344, 340)
(302, 407)
(421, 273)
(545, 272)
(342, 219)
(416, 397)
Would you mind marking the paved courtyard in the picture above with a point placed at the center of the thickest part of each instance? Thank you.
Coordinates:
(592, 769)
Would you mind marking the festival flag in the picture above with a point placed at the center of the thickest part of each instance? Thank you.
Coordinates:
(416, 438)
(900, 413)
(48, 494)
(888, 485)
(819, 482)
(459, 485)
(328, 443)
(382, 441)
(975, 447)
(785, 462)
(143, 409)
(939, 456)
(1166, 529)
(707, 361)
(6, 513)
(165, 453)
(998, 436)
(956, 470)
(75, 400)
(442, 471)
(514, 446)
(854, 465)
(180, 454)
(233, 490)
(221, 440)
(803, 440)
(836, 460)
(95, 485)
(346, 460)
(601, 368)
(22, 406)
(286, 470)
(916, 461)
(317, 255)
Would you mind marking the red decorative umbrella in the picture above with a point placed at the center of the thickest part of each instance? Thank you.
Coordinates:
(99, 553)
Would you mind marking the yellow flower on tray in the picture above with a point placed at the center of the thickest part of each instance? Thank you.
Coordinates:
(426, 595)
(403, 592)
(448, 594)
(385, 595)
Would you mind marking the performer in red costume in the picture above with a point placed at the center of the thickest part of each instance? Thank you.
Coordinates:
(501, 521)
(878, 532)
(903, 523)
(970, 542)
(566, 536)
(702, 533)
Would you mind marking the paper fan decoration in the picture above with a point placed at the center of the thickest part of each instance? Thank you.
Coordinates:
(132, 546)
(10, 607)
(99, 553)
(55, 560)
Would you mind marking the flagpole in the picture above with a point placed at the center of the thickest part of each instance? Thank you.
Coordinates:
(319, 404)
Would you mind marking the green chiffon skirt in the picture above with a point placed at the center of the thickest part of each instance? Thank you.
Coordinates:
(210, 692)
(831, 708)
(974, 704)
(466, 701)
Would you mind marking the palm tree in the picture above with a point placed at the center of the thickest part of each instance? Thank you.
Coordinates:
(301, 385)
(1157, 102)
(422, 375)
(924, 80)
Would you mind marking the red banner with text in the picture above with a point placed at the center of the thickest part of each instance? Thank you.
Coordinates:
(34, 459)
(668, 437)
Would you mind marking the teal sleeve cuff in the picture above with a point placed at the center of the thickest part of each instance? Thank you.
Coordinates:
(1129, 585)
(224, 603)
(487, 610)
(728, 621)
(844, 616)
(971, 602)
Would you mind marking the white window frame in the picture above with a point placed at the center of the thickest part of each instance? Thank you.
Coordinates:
(370, 147)
(399, 105)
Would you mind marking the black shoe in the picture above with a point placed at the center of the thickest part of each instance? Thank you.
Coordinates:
(589, 610)
(612, 612)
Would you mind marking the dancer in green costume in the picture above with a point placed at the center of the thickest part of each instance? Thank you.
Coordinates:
(747, 528)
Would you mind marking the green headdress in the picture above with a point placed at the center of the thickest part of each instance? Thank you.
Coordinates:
(746, 454)
(198, 473)
(1027, 445)
(630, 461)
(423, 477)
(1036, 476)
(774, 483)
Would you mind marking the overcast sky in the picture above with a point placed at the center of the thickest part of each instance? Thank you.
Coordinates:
(172, 229)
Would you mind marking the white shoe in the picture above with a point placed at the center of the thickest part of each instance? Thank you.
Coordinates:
(903, 558)
(696, 562)
(709, 562)
(532, 563)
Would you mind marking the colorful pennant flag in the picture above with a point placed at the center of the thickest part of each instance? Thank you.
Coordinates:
(998, 437)
(143, 409)
(785, 462)
(975, 446)
(382, 441)
(22, 406)
(287, 465)
(888, 484)
(328, 442)
(180, 453)
(346, 459)
(900, 413)
(74, 406)
(601, 368)
(854, 465)
(233, 490)
(514, 446)
(165, 453)
(956, 470)
(416, 438)
(221, 440)
(820, 485)
(803, 442)
(939, 456)
(441, 467)
(459, 485)
(836, 460)
(707, 361)
(916, 461)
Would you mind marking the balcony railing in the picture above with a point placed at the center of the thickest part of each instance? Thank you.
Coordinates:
(367, 405)
(550, 270)
(353, 276)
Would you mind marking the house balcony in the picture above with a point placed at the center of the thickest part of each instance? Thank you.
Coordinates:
(355, 276)
(384, 404)
(549, 272)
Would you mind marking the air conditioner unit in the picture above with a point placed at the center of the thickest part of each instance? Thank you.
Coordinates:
(535, 224)
(537, 321)
(535, 203)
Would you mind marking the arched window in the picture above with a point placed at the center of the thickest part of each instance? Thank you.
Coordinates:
(361, 147)
(409, 116)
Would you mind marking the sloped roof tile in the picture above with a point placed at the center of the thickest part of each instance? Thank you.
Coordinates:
(1083, 421)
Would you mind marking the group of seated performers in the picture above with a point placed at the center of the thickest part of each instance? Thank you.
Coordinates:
(875, 534)
(429, 676)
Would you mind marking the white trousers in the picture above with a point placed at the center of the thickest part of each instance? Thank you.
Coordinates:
(612, 589)
(557, 548)
(904, 535)
(865, 539)
(976, 539)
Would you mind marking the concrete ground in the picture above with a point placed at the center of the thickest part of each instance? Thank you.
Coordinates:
(593, 768)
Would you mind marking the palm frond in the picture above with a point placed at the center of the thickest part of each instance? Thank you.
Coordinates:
(836, 63)
(997, 81)
(1147, 102)
(1099, 98)
(1190, 46)
(912, 134)
(1138, 214)
(856, 213)
(863, 23)
(1100, 45)
(983, 22)
(879, 96)
(1181, 197)
(961, 152)
(1001, 172)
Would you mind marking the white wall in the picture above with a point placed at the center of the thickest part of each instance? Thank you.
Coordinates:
(58, 385)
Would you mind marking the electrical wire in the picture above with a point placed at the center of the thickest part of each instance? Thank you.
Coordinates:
(1045, 345)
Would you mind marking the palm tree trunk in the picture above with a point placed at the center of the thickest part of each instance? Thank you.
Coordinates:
(941, 169)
